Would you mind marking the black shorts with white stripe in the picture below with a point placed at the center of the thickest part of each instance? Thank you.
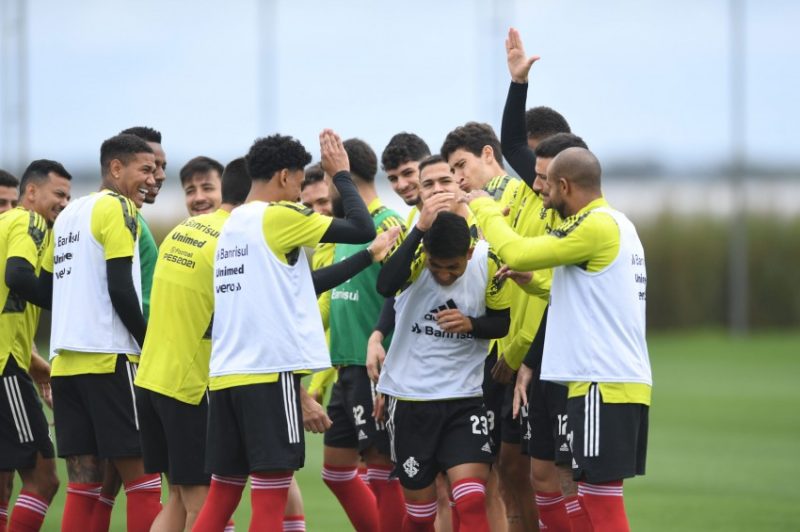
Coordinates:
(95, 414)
(609, 440)
(546, 422)
(173, 437)
(23, 427)
(256, 428)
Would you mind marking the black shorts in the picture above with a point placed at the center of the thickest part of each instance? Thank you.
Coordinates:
(609, 440)
(23, 427)
(429, 437)
(350, 409)
(499, 401)
(546, 422)
(96, 414)
(256, 428)
(173, 435)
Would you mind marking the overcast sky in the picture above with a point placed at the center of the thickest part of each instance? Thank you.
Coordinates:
(635, 79)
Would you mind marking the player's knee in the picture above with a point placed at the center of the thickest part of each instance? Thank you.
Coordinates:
(48, 485)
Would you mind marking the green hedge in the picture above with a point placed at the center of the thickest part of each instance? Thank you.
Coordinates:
(688, 271)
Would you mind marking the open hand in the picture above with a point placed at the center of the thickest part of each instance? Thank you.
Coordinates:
(519, 64)
(334, 156)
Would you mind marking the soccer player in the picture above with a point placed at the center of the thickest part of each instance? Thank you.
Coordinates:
(449, 304)
(97, 330)
(173, 373)
(400, 160)
(25, 288)
(202, 185)
(598, 285)
(263, 283)
(354, 309)
(8, 191)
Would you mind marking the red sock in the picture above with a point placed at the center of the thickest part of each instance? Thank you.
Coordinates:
(28, 514)
(3, 516)
(389, 496)
(454, 520)
(79, 506)
(144, 502)
(268, 495)
(470, 497)
(356, 498)
(101, 514)
(578, 517)
(552, 512)
(294, 523)
(420, 516)
(221, 501)
(605, 506)
(363, 474)
(230, 527)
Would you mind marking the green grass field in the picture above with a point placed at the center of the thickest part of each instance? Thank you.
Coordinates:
(724, 442)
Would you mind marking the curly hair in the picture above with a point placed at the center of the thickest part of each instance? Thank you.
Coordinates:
(402, 148)
(472, 137)
(541, 122)
(363, 161)
(123, 148)
(555, 144)
(147, 134)
(272, 154)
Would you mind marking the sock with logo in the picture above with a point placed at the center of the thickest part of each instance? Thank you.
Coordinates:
(221, 501)
(144, 502)
(389, 496)
(420, 516)
(356, 498)
(470, 497)
(605, 506)
(79, 506)
(28, 514)
(268, 495)
(578, 517)
(101, 514)
(294, 523)
(552, 511)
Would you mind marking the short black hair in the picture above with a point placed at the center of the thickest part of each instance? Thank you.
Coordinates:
(235, 182)
(541, 122)
(200, 165)
(314, 174)
(448, 236)
(123, 147)
(472, 137)
(147, 134)
(272, 154)
(38, 170)
(8, 179)
(427, 161)
(363, 161)
(555, 144)
(402, 148)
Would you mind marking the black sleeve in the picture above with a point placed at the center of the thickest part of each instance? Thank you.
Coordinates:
(397, 269)
(356, 227)
(21, 280)
(335, 274)
(534, 357)
(493, 324)
(514, 136)
(123, 297)
(386, 320)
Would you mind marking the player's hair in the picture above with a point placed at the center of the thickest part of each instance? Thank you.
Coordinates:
(8, 180)
(448, 236)
(199, 165)
(555, 144)
(37, 172)
(541, 122)
(122, 147)
(272, 154)
(402, 148)
(472, 137)
(235, 182)
(314, 174)
(433, 159)
(147, 134)
(363, 161)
